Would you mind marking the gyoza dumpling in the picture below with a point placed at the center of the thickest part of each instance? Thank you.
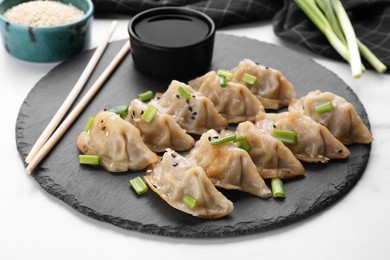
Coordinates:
(343, 121)
(228, 166)
(117, 142)
(234, 101)
(175, 177)
(196, 114)
(271, 87)
(162, 133)
(314, 141)
(271, 157)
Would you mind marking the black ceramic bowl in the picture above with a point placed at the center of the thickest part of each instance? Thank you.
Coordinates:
(172, 42)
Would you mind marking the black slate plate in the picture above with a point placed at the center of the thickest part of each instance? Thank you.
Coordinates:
(109, 198)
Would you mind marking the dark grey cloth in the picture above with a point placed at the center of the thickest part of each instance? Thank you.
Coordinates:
(371, 19)
(223, 12)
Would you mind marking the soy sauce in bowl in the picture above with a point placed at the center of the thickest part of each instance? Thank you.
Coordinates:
(172, 42)
(172, 30)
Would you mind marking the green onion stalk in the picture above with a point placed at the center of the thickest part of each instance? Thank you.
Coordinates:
(330, 17)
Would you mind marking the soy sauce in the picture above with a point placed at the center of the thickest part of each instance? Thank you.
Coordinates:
(172, 30)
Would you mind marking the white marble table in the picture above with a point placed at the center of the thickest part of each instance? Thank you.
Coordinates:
(35, 225)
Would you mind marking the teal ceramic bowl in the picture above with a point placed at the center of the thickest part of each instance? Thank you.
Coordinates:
(46, 44)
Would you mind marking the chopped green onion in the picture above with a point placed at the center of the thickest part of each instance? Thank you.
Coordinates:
(145, 96)
(190, 201)
(241, 138)
(244, 145)
(121, 110)
(224, 140)
(184, 92)
(222, 81)
(248, 78)
(138, 185)
(323, 108)
(227, 74)
(277, 188)
(287, 137)
(149, 114)
(89, 123)
(89, 159)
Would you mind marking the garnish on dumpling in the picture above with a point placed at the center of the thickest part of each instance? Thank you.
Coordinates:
(162, 132)
(269, 85)
(336, 114)
(232, 99)
(227, 165)
(271, 157)
(191, 110)
(307, 139)
(117, 143)
(184, 185)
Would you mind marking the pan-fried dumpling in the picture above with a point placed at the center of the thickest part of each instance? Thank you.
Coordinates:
(228, 166)
(162, 133)
(343, 121)
(234, 101)
(175, 177)
(314, 141)
(117, 142)
(196, 114)
(271, 87)
(271, 157)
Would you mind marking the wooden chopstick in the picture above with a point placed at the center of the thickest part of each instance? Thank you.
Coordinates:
(61, 130)
(55, 121)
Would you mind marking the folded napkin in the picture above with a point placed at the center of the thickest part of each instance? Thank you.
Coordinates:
(371, 19)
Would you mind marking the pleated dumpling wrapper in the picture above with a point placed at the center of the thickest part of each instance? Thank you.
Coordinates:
(271, 157)
(314, 142)
(162, 132)
(340, 118)
(271, 87)
(117, 142)
(191, 110)
(184, 185)
(234, 101)
(228, 166)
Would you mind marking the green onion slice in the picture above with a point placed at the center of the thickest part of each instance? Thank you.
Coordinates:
(287, 137)
(241, 138)
(121, 110)
(145, 96)
(227, 74)
(222, 81)
(224, 140)
(89, 159)
(190, 201)
(184, 92)
(149, 114)
(323, 108)
(245, 146)
(248, 78)
(277, 188)
(138, 185)
(89, 123)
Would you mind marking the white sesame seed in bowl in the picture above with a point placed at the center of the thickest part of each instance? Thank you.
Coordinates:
(45, 31)
(43, 13)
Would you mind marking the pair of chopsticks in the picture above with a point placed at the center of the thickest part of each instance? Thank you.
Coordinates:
(51, 135)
